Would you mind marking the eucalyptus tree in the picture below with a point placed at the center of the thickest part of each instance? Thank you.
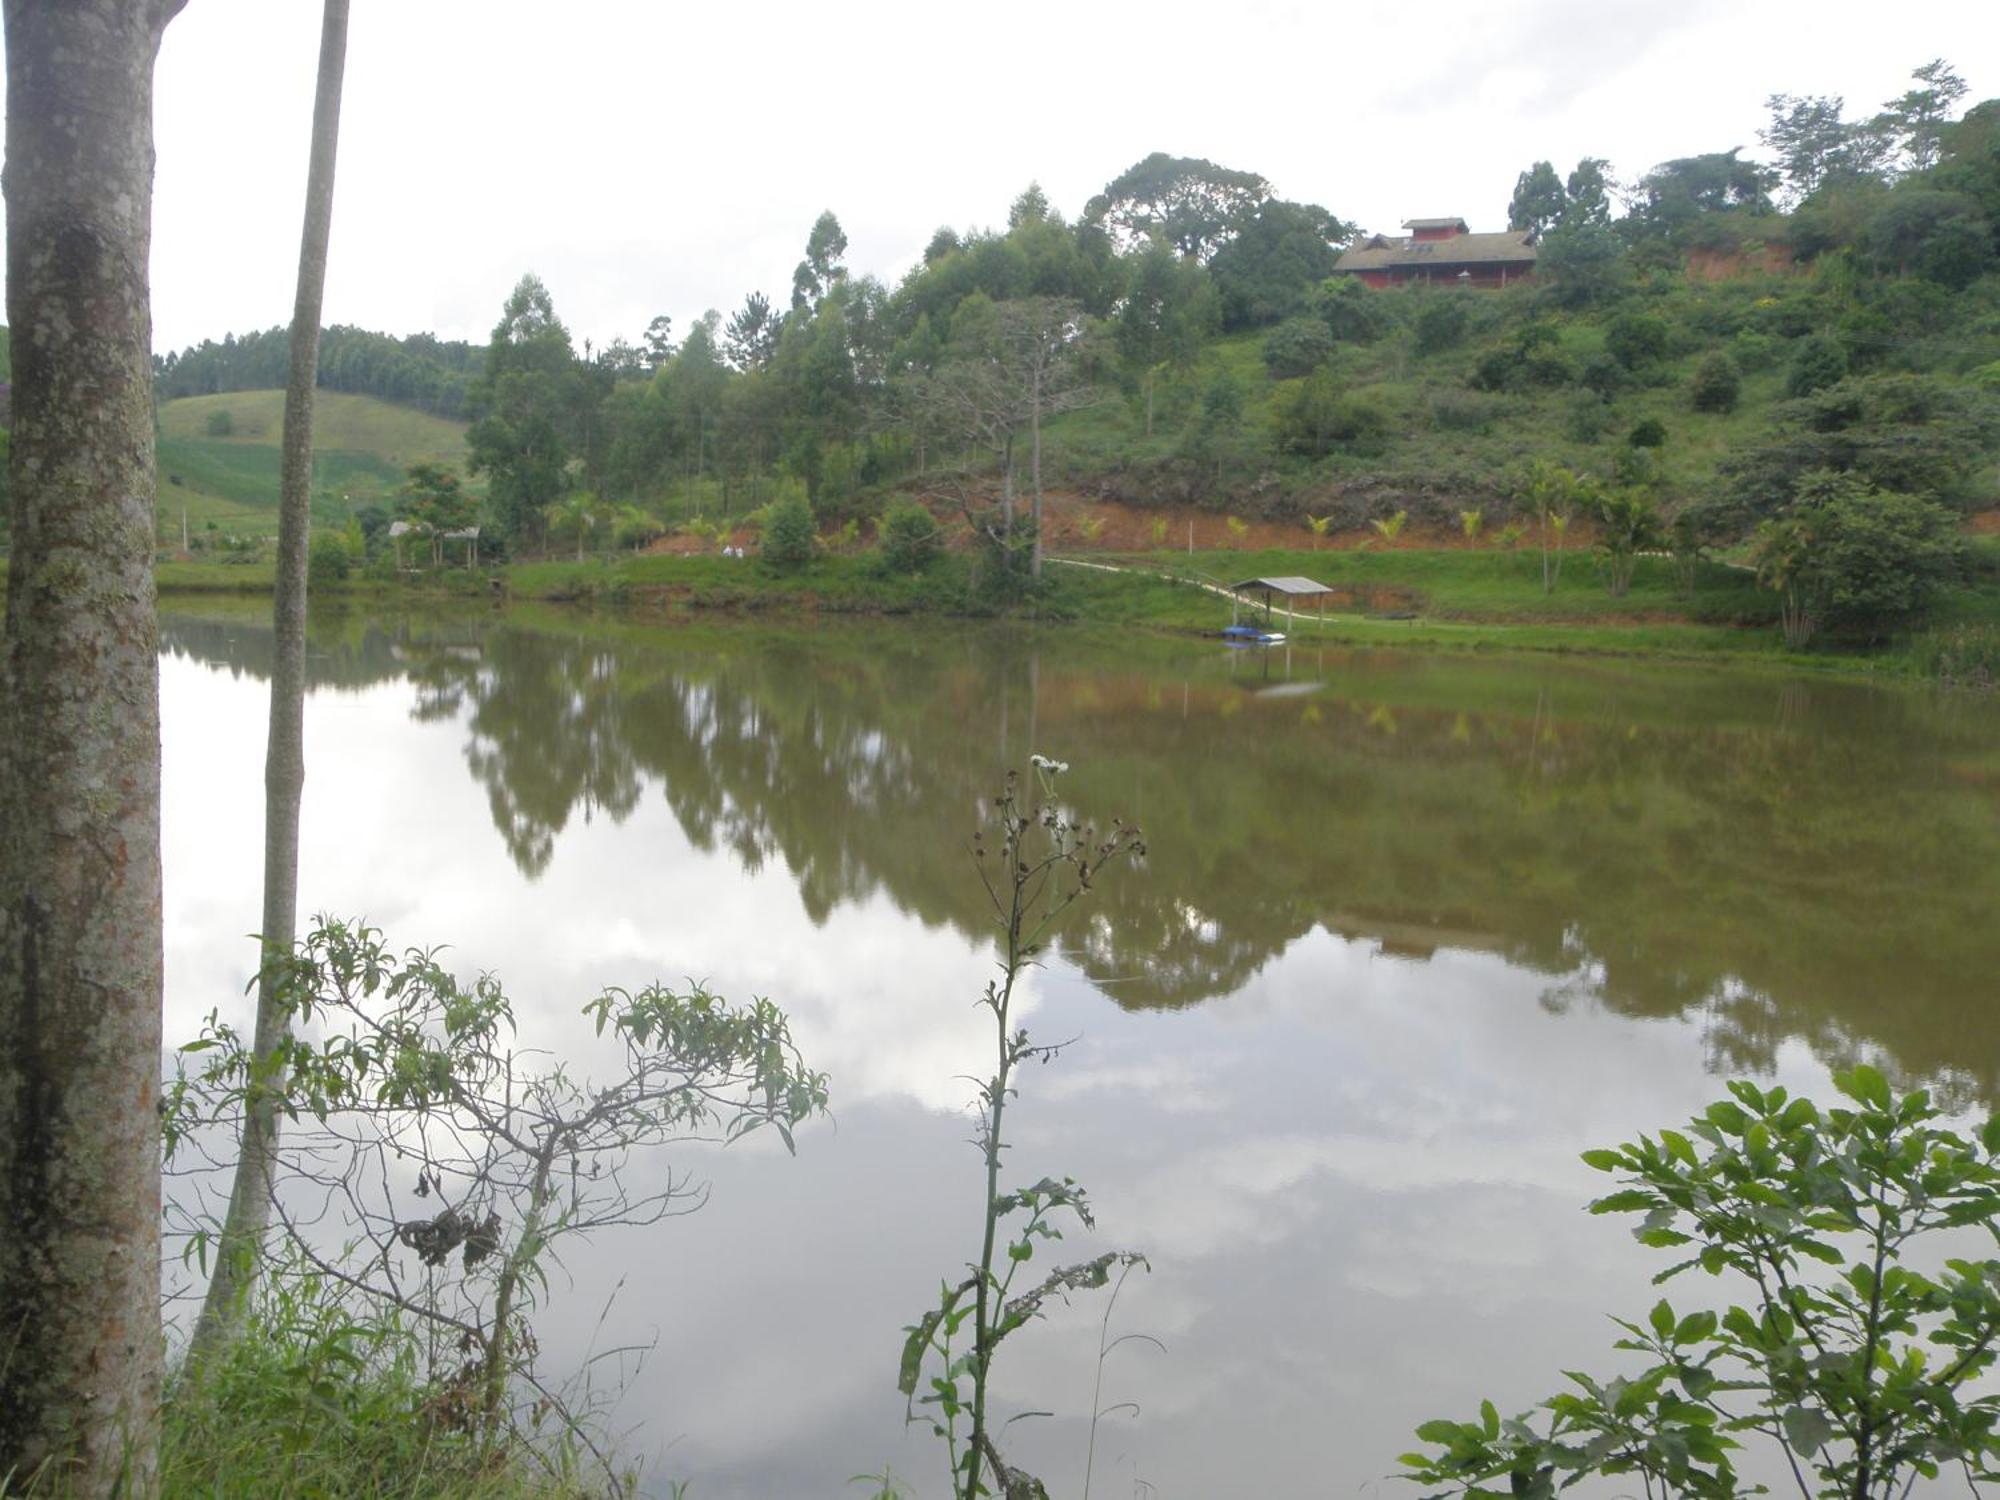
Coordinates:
(1917, 118)
(524, 409)
(658, 345)
(817, 274)
(1816, 147)
(249, 1212)
(1538, 200)
(1588, 193)
(697, 377)
(80, 927)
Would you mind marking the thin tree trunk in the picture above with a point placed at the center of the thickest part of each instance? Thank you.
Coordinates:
(80, 939)
(1007, 496)
(1035, 468)
(249, 1213)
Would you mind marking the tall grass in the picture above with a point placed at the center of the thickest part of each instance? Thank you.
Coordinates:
(322, 1398)
(1960, 656)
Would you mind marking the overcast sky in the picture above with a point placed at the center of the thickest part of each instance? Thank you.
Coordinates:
(647, 156)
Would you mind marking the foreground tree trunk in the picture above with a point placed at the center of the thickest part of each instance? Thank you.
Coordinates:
(80, 1348)
(249, 1214)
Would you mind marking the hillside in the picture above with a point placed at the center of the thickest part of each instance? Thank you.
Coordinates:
(1445, 398)
(219, 457)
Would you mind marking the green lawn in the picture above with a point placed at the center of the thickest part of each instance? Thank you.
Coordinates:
(400, 435)
(1495, 585)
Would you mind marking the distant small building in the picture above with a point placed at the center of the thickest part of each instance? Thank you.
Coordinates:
(400, 529)
(1442, 252)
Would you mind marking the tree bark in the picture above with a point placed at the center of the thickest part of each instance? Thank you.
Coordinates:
(80, 938)
(249, 1214)
(1007, 495)
(1035, 461)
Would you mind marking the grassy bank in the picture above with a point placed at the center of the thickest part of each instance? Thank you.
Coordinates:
(1448, 598)
(1489, 600)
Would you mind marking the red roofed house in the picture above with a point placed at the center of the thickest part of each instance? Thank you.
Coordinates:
(1444, 253)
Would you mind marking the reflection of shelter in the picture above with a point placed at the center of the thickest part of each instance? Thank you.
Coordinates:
(1291, 587)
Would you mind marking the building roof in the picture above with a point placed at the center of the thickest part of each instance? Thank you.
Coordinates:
(1380, 252)
(406, 528)
(1459, 224)
(1292, 584)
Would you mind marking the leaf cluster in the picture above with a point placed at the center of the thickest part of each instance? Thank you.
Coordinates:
(1860, 1348)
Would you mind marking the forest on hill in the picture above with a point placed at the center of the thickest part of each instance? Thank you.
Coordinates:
(1727, 339)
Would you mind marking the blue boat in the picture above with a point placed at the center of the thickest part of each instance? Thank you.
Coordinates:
(1250, 635)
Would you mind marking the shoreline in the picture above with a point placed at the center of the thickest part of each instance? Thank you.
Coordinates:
(1579, 620)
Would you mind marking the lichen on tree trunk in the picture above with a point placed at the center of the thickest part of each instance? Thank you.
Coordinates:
(80, 939)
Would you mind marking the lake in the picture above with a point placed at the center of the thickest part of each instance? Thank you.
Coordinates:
(1413, 930)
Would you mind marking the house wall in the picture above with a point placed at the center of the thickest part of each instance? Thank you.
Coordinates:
(1485, 278)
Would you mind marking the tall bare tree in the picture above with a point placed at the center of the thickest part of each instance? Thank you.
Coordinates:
(1014, 365)
(249, 1213)
(1039, 338)
(80, 941)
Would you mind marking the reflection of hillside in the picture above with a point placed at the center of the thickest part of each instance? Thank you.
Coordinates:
(1784, 861)
(345, 651)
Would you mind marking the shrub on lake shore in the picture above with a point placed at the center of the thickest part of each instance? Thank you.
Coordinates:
(1858, 1350)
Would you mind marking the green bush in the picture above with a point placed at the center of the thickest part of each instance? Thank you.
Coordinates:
(1297, 346)
(788, 540)
(1909, 434)
(1752, 350)
(1588, 418)
(1442, 323)
(1495, 370)
(1651, 432)
(1881, 558)
(220, 424)
(1547, 367)
(1604, 375)
(1636, 339)
(1819, 362)
(1352, 311)
(1319, 417)
(1461, 411)
(910, 537)
(328, 562)
(1855, 558)
(1716, 385)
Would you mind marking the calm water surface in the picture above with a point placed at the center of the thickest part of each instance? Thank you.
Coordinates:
(1413, 931)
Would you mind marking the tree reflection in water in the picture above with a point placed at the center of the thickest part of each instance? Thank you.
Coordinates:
(1783, 858)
